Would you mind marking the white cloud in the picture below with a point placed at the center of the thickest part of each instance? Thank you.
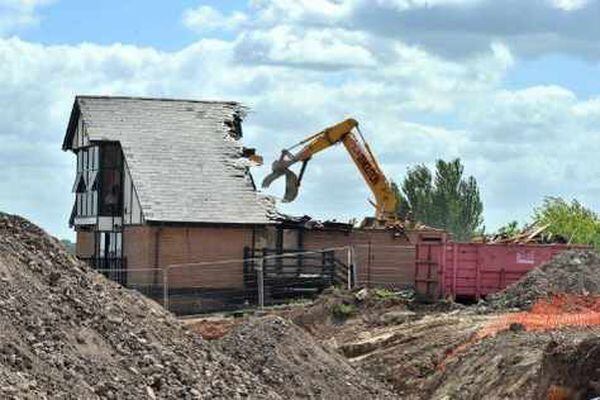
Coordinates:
(569, 5)
(453, 28)
(300, 71)
(302, 11)
(206, 18)
(16, 14)
(323, 48)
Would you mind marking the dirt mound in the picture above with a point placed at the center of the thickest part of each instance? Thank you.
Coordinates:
(505, 367)
(522, 365)
(572, 272)
(288, 359)
(66, 332)
(571, 369)
(335, 308)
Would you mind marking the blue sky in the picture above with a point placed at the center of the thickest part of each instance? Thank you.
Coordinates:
(143, 23)
(509, 86)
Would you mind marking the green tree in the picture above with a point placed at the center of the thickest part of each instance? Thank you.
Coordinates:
(511, 229)
(443, 199)
(571, 221)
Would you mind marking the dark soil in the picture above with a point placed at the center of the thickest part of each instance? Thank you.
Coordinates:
(573, 272)
(572, 368)
(505, 367)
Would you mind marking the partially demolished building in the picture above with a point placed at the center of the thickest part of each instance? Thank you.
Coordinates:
(161, 182)
(164, 182)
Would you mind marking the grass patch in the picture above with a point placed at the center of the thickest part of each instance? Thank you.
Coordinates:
(343, 311)
(385, 294)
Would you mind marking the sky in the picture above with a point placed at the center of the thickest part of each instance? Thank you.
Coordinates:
(509, 86)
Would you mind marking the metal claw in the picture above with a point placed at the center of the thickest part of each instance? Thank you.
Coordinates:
(280, 168)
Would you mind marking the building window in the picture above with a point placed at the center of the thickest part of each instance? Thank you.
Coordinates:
(110, 245)
(85, 186)
(111, 180)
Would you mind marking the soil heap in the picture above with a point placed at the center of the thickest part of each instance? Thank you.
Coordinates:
(287, 358)
(66, 332)
(571, 368)
(572, 272)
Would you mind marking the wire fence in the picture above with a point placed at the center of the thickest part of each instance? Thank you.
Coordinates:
(264, 279)
(267, 277)
(385, 266)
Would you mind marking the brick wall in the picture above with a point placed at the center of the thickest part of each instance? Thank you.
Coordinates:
(85, 245)
(158, 247)
(381, 257)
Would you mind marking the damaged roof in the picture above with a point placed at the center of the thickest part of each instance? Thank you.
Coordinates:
(184, 156)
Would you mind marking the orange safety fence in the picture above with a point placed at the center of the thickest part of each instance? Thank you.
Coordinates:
(559, 311)
(556, 312)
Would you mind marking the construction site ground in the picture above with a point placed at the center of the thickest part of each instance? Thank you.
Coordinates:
(446, 350)
(67, 332)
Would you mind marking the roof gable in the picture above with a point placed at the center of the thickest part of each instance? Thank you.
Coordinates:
(184, 160)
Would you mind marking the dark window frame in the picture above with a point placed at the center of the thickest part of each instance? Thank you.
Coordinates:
(87, 168)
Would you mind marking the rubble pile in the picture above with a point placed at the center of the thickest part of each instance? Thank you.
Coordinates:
(66, 332)
(572, 272)
(531, 234)
(291, 361)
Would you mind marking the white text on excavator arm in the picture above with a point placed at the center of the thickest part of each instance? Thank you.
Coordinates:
(360, 152)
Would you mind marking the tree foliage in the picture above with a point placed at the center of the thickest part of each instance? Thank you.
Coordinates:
(511, 229)
(572, 221)
(443, 199)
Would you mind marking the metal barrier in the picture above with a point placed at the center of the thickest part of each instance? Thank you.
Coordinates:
(385, 266)
(230, 285)
(266, 277)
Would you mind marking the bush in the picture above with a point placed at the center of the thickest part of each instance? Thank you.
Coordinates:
(342, 311)
(572, 221)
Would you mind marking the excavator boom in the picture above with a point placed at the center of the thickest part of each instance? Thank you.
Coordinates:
(360, 152)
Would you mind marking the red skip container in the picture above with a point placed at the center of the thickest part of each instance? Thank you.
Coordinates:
(474, 270)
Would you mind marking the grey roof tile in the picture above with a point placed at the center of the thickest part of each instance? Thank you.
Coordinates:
(183, 160)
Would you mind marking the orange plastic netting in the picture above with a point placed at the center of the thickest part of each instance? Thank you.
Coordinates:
(559, 311)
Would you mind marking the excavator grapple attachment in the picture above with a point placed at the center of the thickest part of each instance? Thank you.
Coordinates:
(292, 183)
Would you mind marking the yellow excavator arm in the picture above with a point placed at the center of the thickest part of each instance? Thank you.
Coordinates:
(360, 152)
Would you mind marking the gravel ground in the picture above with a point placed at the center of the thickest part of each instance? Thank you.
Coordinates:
(68, 333)
(290, 360)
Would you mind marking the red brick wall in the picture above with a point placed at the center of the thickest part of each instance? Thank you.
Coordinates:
(158, 247)
(85, 245)
(381, 257)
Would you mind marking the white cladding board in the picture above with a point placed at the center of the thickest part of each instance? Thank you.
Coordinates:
(109, 224)
(85, 221)
(80, 139)
(131, 205)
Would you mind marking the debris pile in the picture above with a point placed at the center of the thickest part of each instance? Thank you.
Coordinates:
(572, 272)
(531, 234)
(67, 332)
(288, 359)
